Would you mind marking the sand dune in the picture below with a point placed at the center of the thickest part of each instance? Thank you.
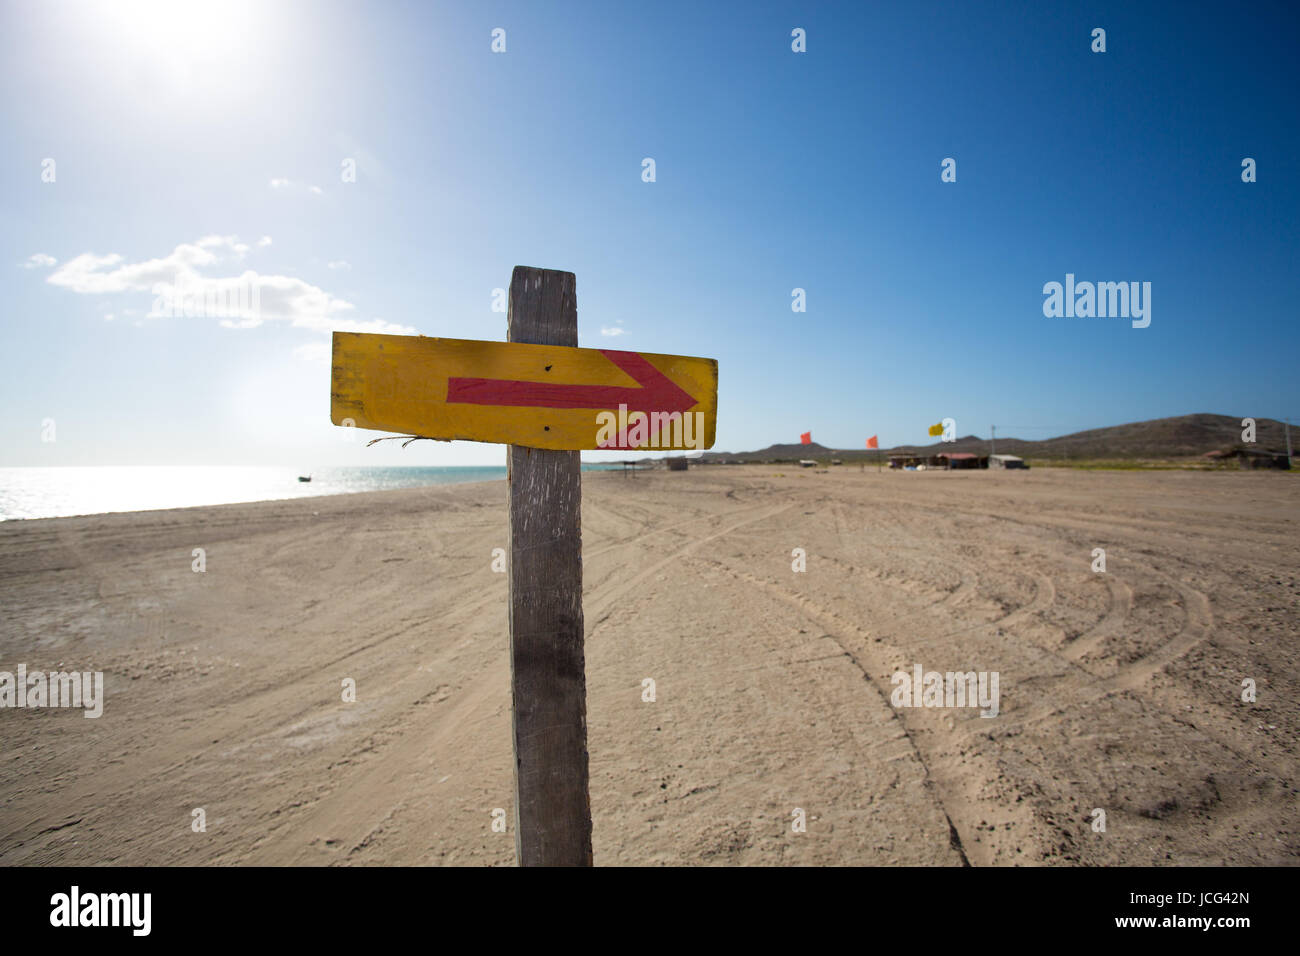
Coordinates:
(1119, 691)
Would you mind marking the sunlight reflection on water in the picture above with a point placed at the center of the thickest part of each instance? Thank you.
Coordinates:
(59, 492)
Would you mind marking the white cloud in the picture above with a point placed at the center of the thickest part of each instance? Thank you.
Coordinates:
(295, 186)
(613, 330)
(39, 261)
(340, 264)
(227, 243)
(91, 274)
(241, 301)
(263, 242)
(368, 325)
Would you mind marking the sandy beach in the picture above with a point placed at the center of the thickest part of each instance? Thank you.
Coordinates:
(1119, 691)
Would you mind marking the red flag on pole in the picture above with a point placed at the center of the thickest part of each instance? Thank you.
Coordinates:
(805, 438)
(872, 443)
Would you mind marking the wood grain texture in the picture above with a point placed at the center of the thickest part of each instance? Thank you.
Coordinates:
(547, 661)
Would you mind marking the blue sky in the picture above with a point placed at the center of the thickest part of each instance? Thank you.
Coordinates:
(211, 138)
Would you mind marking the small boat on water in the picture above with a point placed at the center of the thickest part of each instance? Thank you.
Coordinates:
(304, 477)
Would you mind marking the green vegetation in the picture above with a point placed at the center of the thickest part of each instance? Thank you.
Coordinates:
(1135, 464)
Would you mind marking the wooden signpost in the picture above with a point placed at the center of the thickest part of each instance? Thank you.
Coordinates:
(547, 399)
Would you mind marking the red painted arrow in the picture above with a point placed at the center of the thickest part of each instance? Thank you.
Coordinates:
(656, 391)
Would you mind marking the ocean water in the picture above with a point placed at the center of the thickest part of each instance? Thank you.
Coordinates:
(61, 492)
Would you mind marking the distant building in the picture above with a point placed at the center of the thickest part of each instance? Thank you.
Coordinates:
(806, 463)
(1006, 461)
(948, 460)
(911, 461)
(961, 460)
(677, 464)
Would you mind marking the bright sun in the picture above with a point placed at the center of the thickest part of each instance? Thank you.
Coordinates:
(196, 25)
(185, 45)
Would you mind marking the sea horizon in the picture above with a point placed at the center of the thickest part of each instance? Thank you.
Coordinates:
(66, 491)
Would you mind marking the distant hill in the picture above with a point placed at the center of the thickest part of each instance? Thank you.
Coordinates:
(1186, 436)
(795, 451)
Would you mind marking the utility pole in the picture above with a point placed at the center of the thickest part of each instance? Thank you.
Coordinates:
(993, 440)
(1288, 442)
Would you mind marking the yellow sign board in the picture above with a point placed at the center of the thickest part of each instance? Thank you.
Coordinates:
(542, 396)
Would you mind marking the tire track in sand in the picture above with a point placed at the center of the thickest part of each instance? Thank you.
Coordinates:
(954, 806)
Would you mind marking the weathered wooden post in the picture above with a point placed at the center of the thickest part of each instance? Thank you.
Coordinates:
(547, 668)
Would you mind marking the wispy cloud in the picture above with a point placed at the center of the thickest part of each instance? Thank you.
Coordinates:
(38, 261)
(340, 264)
(613, 330)
(177, 278)
(90, 274)
(290, 185)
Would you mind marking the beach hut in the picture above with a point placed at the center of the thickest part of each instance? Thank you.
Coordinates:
(906, 461)
(1006, 461)
(959, 460)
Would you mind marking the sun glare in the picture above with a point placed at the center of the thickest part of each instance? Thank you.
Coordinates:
(184, 43)
(194, 26)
